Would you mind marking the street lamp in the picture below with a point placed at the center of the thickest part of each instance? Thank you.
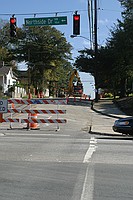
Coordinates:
(73, 36)
(91, 42)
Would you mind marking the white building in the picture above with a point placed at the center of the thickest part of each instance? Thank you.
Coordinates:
(7, 80)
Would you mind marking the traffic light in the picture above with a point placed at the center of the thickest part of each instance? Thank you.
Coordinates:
(76, 24)
(13, 27)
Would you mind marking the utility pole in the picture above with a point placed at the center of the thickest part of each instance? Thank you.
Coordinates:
(95, 26)
(92, 15)
(95, 49)
(29, 94)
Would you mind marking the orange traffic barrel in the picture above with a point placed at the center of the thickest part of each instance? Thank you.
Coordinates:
(41, 95)
(33, 125)
(12, 106)
(29, 96)
(38, 95)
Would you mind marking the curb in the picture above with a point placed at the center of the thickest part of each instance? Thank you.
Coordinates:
(118, 135)
(112, 116)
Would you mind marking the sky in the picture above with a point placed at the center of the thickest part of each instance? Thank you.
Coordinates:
(108, 13)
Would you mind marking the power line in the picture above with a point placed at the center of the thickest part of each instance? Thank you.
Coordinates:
(45, 13)
(110, 10)
(55, 12)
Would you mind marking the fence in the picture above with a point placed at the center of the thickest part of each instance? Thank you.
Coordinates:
(32, 114)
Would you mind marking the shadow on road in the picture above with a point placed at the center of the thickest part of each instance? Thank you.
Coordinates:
(111, 136)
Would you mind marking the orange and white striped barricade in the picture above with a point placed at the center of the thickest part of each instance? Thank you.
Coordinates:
(43, 121)
(37, 111)
(33, 113)
(33, 121)
(1, 117)
(38, 101)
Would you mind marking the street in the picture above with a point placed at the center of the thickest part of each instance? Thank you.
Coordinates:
(66, 100)
(113, 169)
(69, 164)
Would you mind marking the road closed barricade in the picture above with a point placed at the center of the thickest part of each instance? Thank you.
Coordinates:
(32, 119)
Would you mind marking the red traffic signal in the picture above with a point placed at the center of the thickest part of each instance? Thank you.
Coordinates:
(76, 17)
(12, 20)
(13, 27)
(76, 24)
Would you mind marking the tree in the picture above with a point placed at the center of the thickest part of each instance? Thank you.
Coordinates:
(114, 63)
(42, 48)
(104, 69)
(5, 56)
(128, 9)
(122, 43)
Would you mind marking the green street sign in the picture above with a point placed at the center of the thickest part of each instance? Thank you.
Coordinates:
(46, 21)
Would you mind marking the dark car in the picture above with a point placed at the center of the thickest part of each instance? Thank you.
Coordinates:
(124, 126)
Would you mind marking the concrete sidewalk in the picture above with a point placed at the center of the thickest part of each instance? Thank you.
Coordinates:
(108, 108)
(104, 113)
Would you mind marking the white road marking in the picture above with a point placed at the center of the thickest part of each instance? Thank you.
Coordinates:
(88, 186)
(90, 150)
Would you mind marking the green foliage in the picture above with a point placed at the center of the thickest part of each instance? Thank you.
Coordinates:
(108, 95)
(113, 65)
(4, 55)
(128, 9)
(44, 49)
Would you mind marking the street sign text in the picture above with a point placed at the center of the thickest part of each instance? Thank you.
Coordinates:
(46, 21)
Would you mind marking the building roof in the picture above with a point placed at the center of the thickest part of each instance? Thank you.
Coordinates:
(4, 70)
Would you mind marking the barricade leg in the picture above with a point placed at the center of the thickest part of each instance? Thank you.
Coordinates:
(29, 97)
(58, 128)
(28, 124)
(12, 107)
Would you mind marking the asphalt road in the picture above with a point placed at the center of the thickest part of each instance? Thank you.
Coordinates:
(69, 164)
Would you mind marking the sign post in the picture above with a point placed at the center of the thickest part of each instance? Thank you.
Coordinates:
(45, 21)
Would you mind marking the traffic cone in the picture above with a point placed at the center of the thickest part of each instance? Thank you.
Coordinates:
(12, 106)
(34, 126)
(38, 95)
(41, 95)
(29, 96)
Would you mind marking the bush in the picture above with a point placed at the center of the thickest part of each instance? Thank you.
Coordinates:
(108, 95)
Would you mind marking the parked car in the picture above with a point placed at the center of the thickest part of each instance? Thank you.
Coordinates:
(124, 126)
